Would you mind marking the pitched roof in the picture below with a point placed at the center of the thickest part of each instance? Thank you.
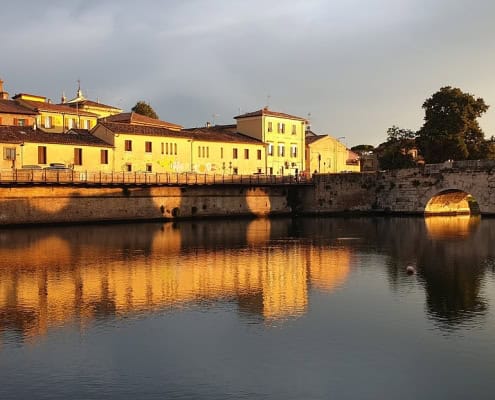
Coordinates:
(218, 133)
(12, 107)
(89, 103)
(266, 112)
(22, 134)
(315, 138)
(58, 108)
(138, 119)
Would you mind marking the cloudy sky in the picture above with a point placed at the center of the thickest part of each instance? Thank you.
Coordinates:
(355, 67)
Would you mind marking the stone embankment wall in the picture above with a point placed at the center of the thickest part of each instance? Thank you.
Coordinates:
(64, 204)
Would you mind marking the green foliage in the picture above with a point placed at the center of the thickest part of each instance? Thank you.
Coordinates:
(451, 129)
(144, 108)
(361, 148)
(395, 152)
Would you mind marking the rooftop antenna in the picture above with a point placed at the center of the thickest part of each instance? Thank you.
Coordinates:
(214, 116)
(268, 100)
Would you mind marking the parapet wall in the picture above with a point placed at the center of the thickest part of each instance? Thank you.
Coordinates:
(64, 204)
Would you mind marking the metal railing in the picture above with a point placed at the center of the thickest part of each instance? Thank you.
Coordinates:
(71, 177)
(464, 165)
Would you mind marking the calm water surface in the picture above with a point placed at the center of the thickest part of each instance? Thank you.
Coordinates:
(313, 308)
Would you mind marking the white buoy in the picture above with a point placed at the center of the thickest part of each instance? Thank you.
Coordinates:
(410, 270)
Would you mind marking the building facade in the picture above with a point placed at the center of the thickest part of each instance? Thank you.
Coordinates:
(283, 137)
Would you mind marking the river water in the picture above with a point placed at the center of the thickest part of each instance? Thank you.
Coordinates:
(310, 308)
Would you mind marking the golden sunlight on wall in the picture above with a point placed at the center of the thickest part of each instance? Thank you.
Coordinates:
(454, 202)
(57, 284)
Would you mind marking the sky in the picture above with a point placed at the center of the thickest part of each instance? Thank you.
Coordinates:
(354, 68)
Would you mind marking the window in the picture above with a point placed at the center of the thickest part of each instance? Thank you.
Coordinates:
(77, 156)
(281, 150)
(163, 148)
(128, 167)
(128, 145)
(246, 154)
(281, 127)
(41, 154)
(270, 149)
(199, 151)
(259, 154)
(103, 156)
(234, 153)
(235, 171)
(270, 128)
(147, 147)
(166, 148)
(149, 168)
(47, 122)
(71, 123)
(88, 124)
(175, 148)
(293, 150)
(21, 122)
(221, 152)
(294, 129)
(9, 153)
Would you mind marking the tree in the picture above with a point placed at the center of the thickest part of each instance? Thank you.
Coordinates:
(451, 129)
(144, 108)
(395, 153)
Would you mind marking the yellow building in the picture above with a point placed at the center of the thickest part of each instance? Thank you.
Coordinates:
(214, 150)
(81, 103)
(283, 136)
(55, 118)
(23, 146)
(12, 113)
(221, 149)
(325, 155)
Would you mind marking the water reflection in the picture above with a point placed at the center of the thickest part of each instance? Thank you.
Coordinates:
(267, 268)
(53, 276)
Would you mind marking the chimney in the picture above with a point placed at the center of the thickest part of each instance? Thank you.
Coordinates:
(63, 98)
(208, 125)
(3, 95)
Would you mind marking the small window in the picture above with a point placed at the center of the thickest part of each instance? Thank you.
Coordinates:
(294, 129)
(128, 145)
(175, 148)
(147, 147)
(234, 153)
(47, 122)
(163, 148)
(77, 156)
(293, 150)
(281, 150)
(246, 154)
(259, 154)
(41, 154)
(221, 152)
(270, 127)
(128, 167)
(149, 167)
(103, 156)
(199, 151)
(235, 171)
(88, 124)
(270, 149)
(9, 153)
(281, 127)
(21, 122)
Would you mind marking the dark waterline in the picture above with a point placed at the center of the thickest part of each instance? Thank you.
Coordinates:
(308, 308)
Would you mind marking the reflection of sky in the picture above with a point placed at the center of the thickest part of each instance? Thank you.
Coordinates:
(371, 336)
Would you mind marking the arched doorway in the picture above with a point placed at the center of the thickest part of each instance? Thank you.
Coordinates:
(452, 202)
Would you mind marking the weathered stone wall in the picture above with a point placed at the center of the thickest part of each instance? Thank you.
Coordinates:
(401, 191)
(45, 204)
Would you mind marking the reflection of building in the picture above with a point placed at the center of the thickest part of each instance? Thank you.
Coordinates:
(451, 227)
(49, 282)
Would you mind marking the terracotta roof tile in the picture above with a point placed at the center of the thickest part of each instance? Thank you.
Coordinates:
(22, 134)
(39, 106)
(138, 119)
(90, 103)
(266, 112)
(11, 107)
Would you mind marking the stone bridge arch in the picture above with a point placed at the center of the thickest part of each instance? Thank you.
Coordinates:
(452, 202)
